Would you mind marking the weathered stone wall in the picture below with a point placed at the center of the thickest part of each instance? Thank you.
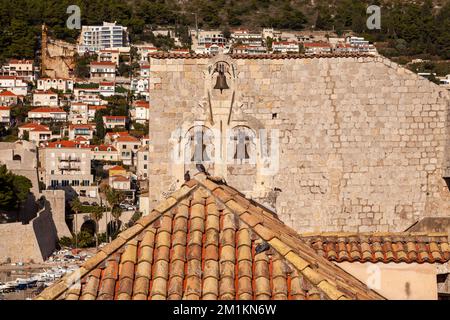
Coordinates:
(33, 242)
(362, 140)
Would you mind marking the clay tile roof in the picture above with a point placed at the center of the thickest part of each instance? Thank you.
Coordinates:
(47, 110)
(65, 144)
(201, 243)
(127, 139)
(7, 93)
(117, 168)
(45, 92)
(120, 178)
(35, 127)
(408, 247)
(5, 108)
(103, 147)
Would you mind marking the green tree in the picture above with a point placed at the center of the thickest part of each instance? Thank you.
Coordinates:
(76, 206)
(96, 215)
(14, 189)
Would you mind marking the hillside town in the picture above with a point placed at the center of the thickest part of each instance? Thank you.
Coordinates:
(93, 128)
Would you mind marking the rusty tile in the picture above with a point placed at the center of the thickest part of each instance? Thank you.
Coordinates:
(262, 287)
(126, 270)
(141, 285)
(178, 253)
(163, 239)
(227, 253)
(211, 253)
(211, 269)
(227, 238)
(197, 211)
(159, 287)
(195, 237)
(193, 286)
(244, 253)
(180, 224)
(210, 286)
(226, 288)
(227, 269)
(179, 238)
(212, 222)
(197, 224)
(162, 253)
(245, 285)
(176, 269)
(212, 237)
(175, 287)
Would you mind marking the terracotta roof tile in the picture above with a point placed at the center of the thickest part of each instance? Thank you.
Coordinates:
(193, 246)
(385, 248)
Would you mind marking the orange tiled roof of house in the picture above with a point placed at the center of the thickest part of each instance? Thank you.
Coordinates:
(127, 138)
(142, 104)
(47, 110)
(82, 126)
(207, 241)
(120, 178)
(381, 247)
(35, 127)
(66, 144)
(7, 93)
(104, 147)
(44, 92)
(5, 108)
(115, 117)
(116, 168)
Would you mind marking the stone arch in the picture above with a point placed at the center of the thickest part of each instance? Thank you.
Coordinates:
(198, 145)
(242, 143)
(17, 157)
(89, 226)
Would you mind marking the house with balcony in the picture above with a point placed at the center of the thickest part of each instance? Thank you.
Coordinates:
(111, 137)
(45, 98)
(246, 37)
(140, 87)
(67, 166)
(103, 71)
(23, 69)
(78, 113)
(142, 161)
(7, 98)
(47, 114)
(109, 55)
(37, 133)
(81, 130)
(14, 84)
(107, 89)
(112, 122)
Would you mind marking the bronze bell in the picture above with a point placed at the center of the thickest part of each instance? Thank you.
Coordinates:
(221, 82)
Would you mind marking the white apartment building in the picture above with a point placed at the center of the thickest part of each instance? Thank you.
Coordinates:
(14, 84)
(67, 166)
(285, 46)
(45, 98)
(107, 36)
(103, 71)
(246, 37)
(141, 111)
(107, 89)
(5, 115)
(317, 48)
(112, 122)
(47, 114)
(64, 85)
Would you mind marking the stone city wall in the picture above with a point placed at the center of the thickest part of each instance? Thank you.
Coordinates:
(362, 140)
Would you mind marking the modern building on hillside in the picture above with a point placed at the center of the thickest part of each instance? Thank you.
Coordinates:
(107, 36)
(64, 85)
(14, 84)
(45, 98)
(47, 114)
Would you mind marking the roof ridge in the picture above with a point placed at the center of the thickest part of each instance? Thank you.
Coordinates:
(251, 217)
(374, 234)
(64, 284)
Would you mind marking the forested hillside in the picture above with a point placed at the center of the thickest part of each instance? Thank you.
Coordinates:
(410, 27)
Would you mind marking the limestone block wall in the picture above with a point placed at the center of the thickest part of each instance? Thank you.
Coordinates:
(362, 140)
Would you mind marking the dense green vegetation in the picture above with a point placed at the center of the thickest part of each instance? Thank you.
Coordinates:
(410, 27)
(14, 189)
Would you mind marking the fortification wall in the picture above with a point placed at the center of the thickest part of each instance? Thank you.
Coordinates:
(362, 140)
